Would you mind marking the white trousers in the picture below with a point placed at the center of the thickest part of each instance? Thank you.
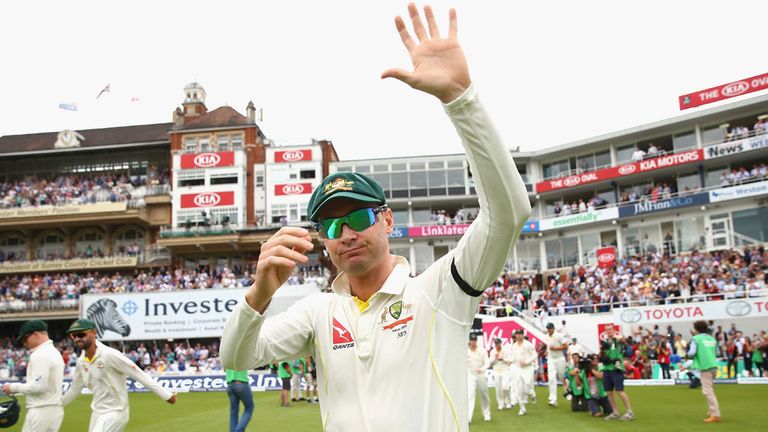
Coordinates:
(555, 374)
(503, 393)
(296, 386)
(522, 384)
(112, 421)
(43, 419)
(477, 384)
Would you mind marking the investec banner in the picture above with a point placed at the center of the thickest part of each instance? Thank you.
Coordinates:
(736, 147)
(736, 192)
(178, 314)
(644, 207)
(680, 312)
(660, 162)
(63, 210)
(578, 219)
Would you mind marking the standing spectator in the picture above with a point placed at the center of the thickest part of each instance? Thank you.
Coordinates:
(703, 351)
(298, 367)
(45, 377)
(239, 390)
(662, 356)
(638, 155)
(477, 361)
(612, 349)
(284, 373)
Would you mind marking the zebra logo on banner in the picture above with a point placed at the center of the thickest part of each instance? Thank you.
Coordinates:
(106, 317)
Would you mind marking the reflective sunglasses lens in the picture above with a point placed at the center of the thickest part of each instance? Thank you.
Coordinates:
(358, 220)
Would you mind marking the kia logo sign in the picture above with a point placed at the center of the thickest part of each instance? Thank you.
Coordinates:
(206, 160)
(207, 199)
(293, 189)
(627, 169)
(735, 89)
(606, 257)
(572, 181)
(293, 156)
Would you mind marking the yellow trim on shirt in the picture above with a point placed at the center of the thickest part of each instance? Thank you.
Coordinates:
(363, 305)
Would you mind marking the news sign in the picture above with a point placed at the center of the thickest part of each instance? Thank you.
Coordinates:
(207, 160)
(293, 189)
(292, 156)
(208, 199)
(736, 147)
(626, 169)
(722, 92)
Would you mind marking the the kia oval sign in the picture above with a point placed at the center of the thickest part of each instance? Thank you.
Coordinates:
(208, 199)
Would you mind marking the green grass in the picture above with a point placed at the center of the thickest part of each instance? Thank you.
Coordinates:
(657, 409)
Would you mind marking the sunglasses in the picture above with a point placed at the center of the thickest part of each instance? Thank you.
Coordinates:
(359, 220)
(78, 335)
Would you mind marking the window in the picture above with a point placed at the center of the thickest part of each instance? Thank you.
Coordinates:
(624, 154)
(399, 167)
(307, 174)
(224, 180)
(192, 182)
(223, 143)
(237, 142)
(259, 177)
(712, 177)
(684, 140)
(190, 145)
(422, 216)
(562, 252)
(713, 135)
(455, 164)
(380, 168)
(688, 183)
(437, 165)
(205, 145)
(363, 168)
(603, 159)
(400, 217)
(585, 163)
(556, 169)
(417, 165)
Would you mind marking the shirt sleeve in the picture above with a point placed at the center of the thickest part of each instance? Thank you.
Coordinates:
(37, 378)
(692, 348)
(465, 272)
(250, 340)
(125, 365)
(75, 388)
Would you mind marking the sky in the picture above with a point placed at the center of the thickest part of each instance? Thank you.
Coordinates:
(549, 72)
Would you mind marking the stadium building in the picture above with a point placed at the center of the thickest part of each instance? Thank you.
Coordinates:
(206, 189)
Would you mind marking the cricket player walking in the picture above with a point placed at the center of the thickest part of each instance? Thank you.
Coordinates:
(104, 370)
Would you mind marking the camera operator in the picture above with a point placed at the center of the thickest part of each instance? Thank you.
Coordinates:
(590, 377)
(574, 390)
(612, 355)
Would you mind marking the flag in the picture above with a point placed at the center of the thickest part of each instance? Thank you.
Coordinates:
(104, 90)
(68, 106)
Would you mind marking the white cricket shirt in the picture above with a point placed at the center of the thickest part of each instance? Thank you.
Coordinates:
(556, 339)
(105, 375)
(45, 377)
(523, 352)
(477, 359)
(399, 365)
(497, 360)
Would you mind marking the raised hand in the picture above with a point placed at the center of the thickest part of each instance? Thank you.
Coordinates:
(277, 260)
(439, 65)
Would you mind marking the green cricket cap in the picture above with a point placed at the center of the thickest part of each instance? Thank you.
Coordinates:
(81, 325)
(30, 327)
(350, 185)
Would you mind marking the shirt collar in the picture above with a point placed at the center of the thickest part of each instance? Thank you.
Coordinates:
(394, 284)
(95, 354)
(48, 342)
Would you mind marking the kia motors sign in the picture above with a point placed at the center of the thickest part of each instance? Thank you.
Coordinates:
(661, 162)
(293, 189)
(207, 160)
(606, 257)
(208, 199)
(681, 312)
(725, 91)
(291, 156)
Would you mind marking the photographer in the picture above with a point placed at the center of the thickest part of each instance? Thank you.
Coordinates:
(591, 379)
(612, 355)
(574, 390)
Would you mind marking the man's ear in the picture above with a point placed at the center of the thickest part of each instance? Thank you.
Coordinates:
(389, 220)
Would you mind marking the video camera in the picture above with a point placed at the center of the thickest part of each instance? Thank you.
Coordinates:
(585, 363)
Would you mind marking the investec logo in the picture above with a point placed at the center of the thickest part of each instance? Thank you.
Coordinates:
(207, 199)
(293, 189)
(207, 160)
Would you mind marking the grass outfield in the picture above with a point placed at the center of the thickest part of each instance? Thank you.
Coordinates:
(657, 409)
